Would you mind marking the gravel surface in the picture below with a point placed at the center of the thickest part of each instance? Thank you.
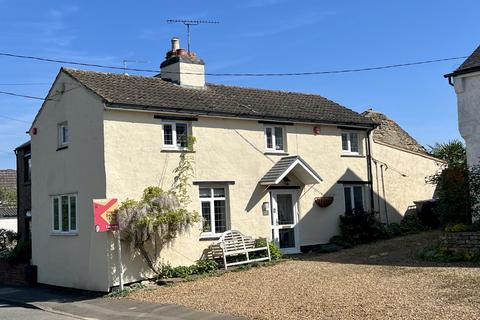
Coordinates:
(384, 280)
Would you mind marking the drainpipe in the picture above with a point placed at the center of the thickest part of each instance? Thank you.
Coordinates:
(378, 186)
(383, 187)
(369, 167)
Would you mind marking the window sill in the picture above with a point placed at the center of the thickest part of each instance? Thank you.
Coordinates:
(275, 153)
(352, 155)
(62, 148)
(177, 150)
(67, 234)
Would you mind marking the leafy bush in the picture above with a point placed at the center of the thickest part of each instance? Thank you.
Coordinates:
(411, 224)
(453, 195)
(275, 252)
(7, 239)
(340, 241)
(21, 253)
(361, 227)
(440, 254)
(459, 227)
(393, 230)
(200, 267)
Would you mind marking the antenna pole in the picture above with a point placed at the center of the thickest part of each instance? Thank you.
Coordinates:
(189, 23)
(188, 36)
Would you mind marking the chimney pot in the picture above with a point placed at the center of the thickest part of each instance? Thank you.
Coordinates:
(175, 44)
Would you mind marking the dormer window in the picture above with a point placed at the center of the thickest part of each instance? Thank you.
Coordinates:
(274, 139)
(350, 143)
(175, 135)
(63, 134)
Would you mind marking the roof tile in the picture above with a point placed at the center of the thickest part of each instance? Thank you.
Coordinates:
(155, 94)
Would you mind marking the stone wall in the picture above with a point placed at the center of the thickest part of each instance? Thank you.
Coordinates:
(461, 241)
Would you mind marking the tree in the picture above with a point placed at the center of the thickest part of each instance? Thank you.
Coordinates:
(453, 193)
(453, 152)
(154, 221)
(8, 197)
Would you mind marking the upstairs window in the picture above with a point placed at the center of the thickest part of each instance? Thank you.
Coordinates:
(213, 205)
(274, 139)
(63, 136)
(353, 198)
(350, 143)
(175, 135)
(27, 168)
(65, 213)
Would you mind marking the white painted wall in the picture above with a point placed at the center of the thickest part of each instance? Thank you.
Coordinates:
(467, 88)
(78, 260)
(404, 174)
(115, 153)
(8, 223)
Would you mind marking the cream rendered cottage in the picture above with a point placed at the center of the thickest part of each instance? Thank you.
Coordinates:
(261, 158)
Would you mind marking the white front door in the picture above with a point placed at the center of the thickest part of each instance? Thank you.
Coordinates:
(284, 218)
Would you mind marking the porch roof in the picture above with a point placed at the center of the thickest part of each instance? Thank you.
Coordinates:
(293, 164)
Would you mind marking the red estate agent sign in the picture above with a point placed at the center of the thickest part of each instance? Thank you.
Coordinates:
(104, 214)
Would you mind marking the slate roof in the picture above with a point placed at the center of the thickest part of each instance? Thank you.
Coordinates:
(391, 133)
(8, 212)
(8, 178)
(155, 94)
(471, 64)
(280, 167)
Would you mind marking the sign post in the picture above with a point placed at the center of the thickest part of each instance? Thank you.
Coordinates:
(105, 219)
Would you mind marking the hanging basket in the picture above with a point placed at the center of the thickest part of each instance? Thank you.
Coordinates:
(324, 202)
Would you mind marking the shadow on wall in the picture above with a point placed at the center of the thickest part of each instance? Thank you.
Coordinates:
(318, 224)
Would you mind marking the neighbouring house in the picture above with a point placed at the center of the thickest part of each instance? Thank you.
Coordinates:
(400, 166)
(24, 202)
(466, 82)
(8, 210)
(261, 159)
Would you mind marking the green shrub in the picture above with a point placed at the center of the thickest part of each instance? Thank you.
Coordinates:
(361, 227)
(459, 227)
(7, 239)
(200, 267)
(340, 241)
(393, 230)
(275, 252)
(205, 266)
(440, 254)
(411, 224)
(21, 253)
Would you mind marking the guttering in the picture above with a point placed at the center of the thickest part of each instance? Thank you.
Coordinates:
(220, 114)
(456, 73)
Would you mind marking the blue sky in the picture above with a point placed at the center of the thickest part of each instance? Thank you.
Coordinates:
(253, 36)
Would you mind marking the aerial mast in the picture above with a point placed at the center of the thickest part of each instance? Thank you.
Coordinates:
(189, 23)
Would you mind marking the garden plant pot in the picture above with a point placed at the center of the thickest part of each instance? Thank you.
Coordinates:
(324, 202)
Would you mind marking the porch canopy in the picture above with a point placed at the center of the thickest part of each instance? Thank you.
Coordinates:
(291, 164)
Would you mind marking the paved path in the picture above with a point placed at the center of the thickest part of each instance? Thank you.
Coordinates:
(68, 304)
(12, 312)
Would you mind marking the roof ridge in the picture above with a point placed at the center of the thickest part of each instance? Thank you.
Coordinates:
(156, 94)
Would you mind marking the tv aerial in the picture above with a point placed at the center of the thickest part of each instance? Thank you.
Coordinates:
(189, 23)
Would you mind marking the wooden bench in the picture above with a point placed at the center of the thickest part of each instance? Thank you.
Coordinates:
(234, 243)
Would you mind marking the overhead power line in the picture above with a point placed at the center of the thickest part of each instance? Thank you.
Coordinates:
(272, 74)
(26, 84)
(14, 119)
(22, 95)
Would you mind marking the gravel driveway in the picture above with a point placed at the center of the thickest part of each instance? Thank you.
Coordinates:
(377, 281)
